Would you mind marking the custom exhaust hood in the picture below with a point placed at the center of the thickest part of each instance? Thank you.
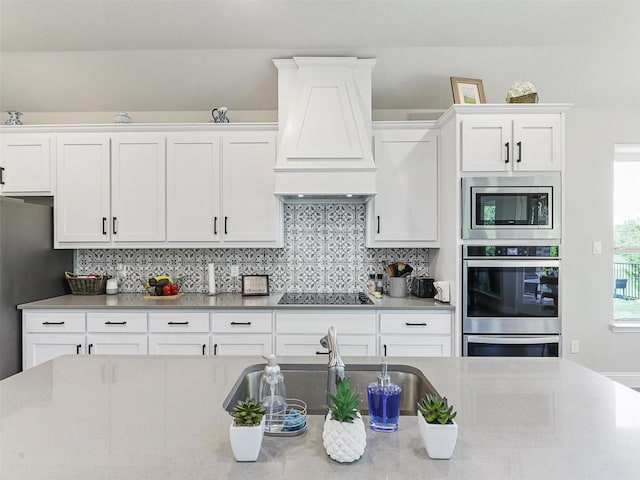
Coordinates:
(324, 114)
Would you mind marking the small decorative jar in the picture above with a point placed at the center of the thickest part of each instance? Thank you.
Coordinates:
(122, 117)
(14, 118)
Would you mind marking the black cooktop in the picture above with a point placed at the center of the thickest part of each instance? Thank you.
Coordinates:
(334, 298)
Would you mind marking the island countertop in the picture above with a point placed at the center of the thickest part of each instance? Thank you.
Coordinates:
(158, 417)
(220, 301)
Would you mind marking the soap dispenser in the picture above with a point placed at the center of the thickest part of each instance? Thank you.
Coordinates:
(384, 402)
(273, 395)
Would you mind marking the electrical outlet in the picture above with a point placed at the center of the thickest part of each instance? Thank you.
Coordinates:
(235, 270)
(597, 247)
(575, 346)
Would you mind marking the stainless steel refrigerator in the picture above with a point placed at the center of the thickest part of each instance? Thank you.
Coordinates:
(30, 269)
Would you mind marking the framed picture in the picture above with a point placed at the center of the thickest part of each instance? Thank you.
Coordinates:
(255, 285)
(467, 90)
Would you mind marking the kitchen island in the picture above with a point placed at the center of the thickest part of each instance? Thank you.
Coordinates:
(162, 417)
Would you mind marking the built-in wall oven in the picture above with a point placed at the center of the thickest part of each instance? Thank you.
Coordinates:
(511, 208)
(511, 300)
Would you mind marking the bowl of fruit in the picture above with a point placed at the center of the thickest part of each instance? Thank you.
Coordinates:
(162, 286)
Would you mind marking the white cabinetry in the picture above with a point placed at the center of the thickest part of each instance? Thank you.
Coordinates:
(424, 334)
(115, 333)
(299, 332)
(519, 143)
(179, 333)
(242, 333)
(47, 335)
(404, 213)
(26, 164)
(111, 190)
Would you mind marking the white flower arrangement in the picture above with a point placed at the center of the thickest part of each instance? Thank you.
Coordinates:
(519, 89)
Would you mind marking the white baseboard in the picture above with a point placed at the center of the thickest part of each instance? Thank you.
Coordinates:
(630, 379)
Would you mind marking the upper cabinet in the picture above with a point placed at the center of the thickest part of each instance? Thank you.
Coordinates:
(528, 140)
(404, 213)
(26, 164)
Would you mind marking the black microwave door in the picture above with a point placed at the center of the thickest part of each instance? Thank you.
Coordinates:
(514, 208)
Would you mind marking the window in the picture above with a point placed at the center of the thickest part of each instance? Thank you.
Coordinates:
(626, 233)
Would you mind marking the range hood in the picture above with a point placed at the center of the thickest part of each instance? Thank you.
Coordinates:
(324, 114)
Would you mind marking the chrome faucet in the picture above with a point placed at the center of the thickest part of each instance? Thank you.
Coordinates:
(336, 371)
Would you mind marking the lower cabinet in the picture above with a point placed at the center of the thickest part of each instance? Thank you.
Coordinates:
(179, 344)
(179, 333)
(42, 347)
(416, 334)
(120, 344)
(116, 333)
(242, 332)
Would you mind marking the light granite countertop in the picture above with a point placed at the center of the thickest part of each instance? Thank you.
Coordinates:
(223, 300)
(156, 417)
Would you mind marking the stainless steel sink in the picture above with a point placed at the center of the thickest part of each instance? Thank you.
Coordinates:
(308, 382)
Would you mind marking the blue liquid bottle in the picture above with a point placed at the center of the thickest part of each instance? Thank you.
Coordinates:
(384, 403)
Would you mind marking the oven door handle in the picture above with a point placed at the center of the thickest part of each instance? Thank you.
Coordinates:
(513, 263)
(512, 340)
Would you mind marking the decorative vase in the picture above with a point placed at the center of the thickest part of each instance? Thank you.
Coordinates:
(344, 442)
(528, 98)
(122, 117)
(246, 441)
(14, 118)
(439, 440)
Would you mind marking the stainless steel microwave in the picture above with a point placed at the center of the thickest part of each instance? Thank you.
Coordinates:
(497, 208)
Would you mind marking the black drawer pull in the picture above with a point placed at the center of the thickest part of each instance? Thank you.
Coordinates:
(90, 347)
(225, 225)
(322, 353)
(115, 323)
(240, 323)
(203, 349)
(385, 350)
(1, 175)
(177, 323)
(104, 225)
(378, 224)
(115, 225)
(78, 347)
(53, 323)
(519, 144)
(215, 348)
(506, 145)
(421, 324)
(215, 225)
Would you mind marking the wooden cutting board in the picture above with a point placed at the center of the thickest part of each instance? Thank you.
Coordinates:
(163, 297)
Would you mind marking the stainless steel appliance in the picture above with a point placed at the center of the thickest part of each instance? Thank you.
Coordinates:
(511, 300)
(511, 207)
(333, 298)
(29, 270)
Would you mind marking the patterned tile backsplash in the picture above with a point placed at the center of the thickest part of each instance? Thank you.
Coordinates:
(324, 251)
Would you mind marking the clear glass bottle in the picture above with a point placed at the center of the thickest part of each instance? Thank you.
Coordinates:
(273, 395)
(384, 402)
(379, 284)
(371, 283)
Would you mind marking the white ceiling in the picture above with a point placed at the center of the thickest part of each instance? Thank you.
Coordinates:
(103, 55)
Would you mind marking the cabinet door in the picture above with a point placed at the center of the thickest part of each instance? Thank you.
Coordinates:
(252, 213)
(537, 143)
(124, 344)
(81, 203)
(350, 345)
(26, 165)
(176, 344)
(404, 213)
(40, 348)
(415, 346)
(193, 188)
(138, 188)
(242, 344)
(486, 144)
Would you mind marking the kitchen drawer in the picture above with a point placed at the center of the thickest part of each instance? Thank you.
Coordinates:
(111, 322)
(241, 322)
(349, 345)
(169, 322)
(438, 323)
(415, 345)
(318, 323)
(54, 322)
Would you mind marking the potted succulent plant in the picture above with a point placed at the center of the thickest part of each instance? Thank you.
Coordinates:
(438, 430)
(344, 436)
(247, 430)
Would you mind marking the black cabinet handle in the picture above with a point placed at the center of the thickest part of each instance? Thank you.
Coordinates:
(203, 349)
(78, 347)
(215, 348)
(506, 145)
(215, 225)
(321, 353)
(115, 223)
(421, 324)
(1, 175)
(240, 323)
(115, 323)
(385, 350)
(53, 323)
(90, 347)
(519, 144)
(177, 323)
(225, 225)
(378, 223)
(104, 225)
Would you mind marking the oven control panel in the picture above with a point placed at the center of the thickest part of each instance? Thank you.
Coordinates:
(502, 251)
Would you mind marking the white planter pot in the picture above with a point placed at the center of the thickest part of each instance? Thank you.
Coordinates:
(246, 441)
(439, 440)
(344, 442)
